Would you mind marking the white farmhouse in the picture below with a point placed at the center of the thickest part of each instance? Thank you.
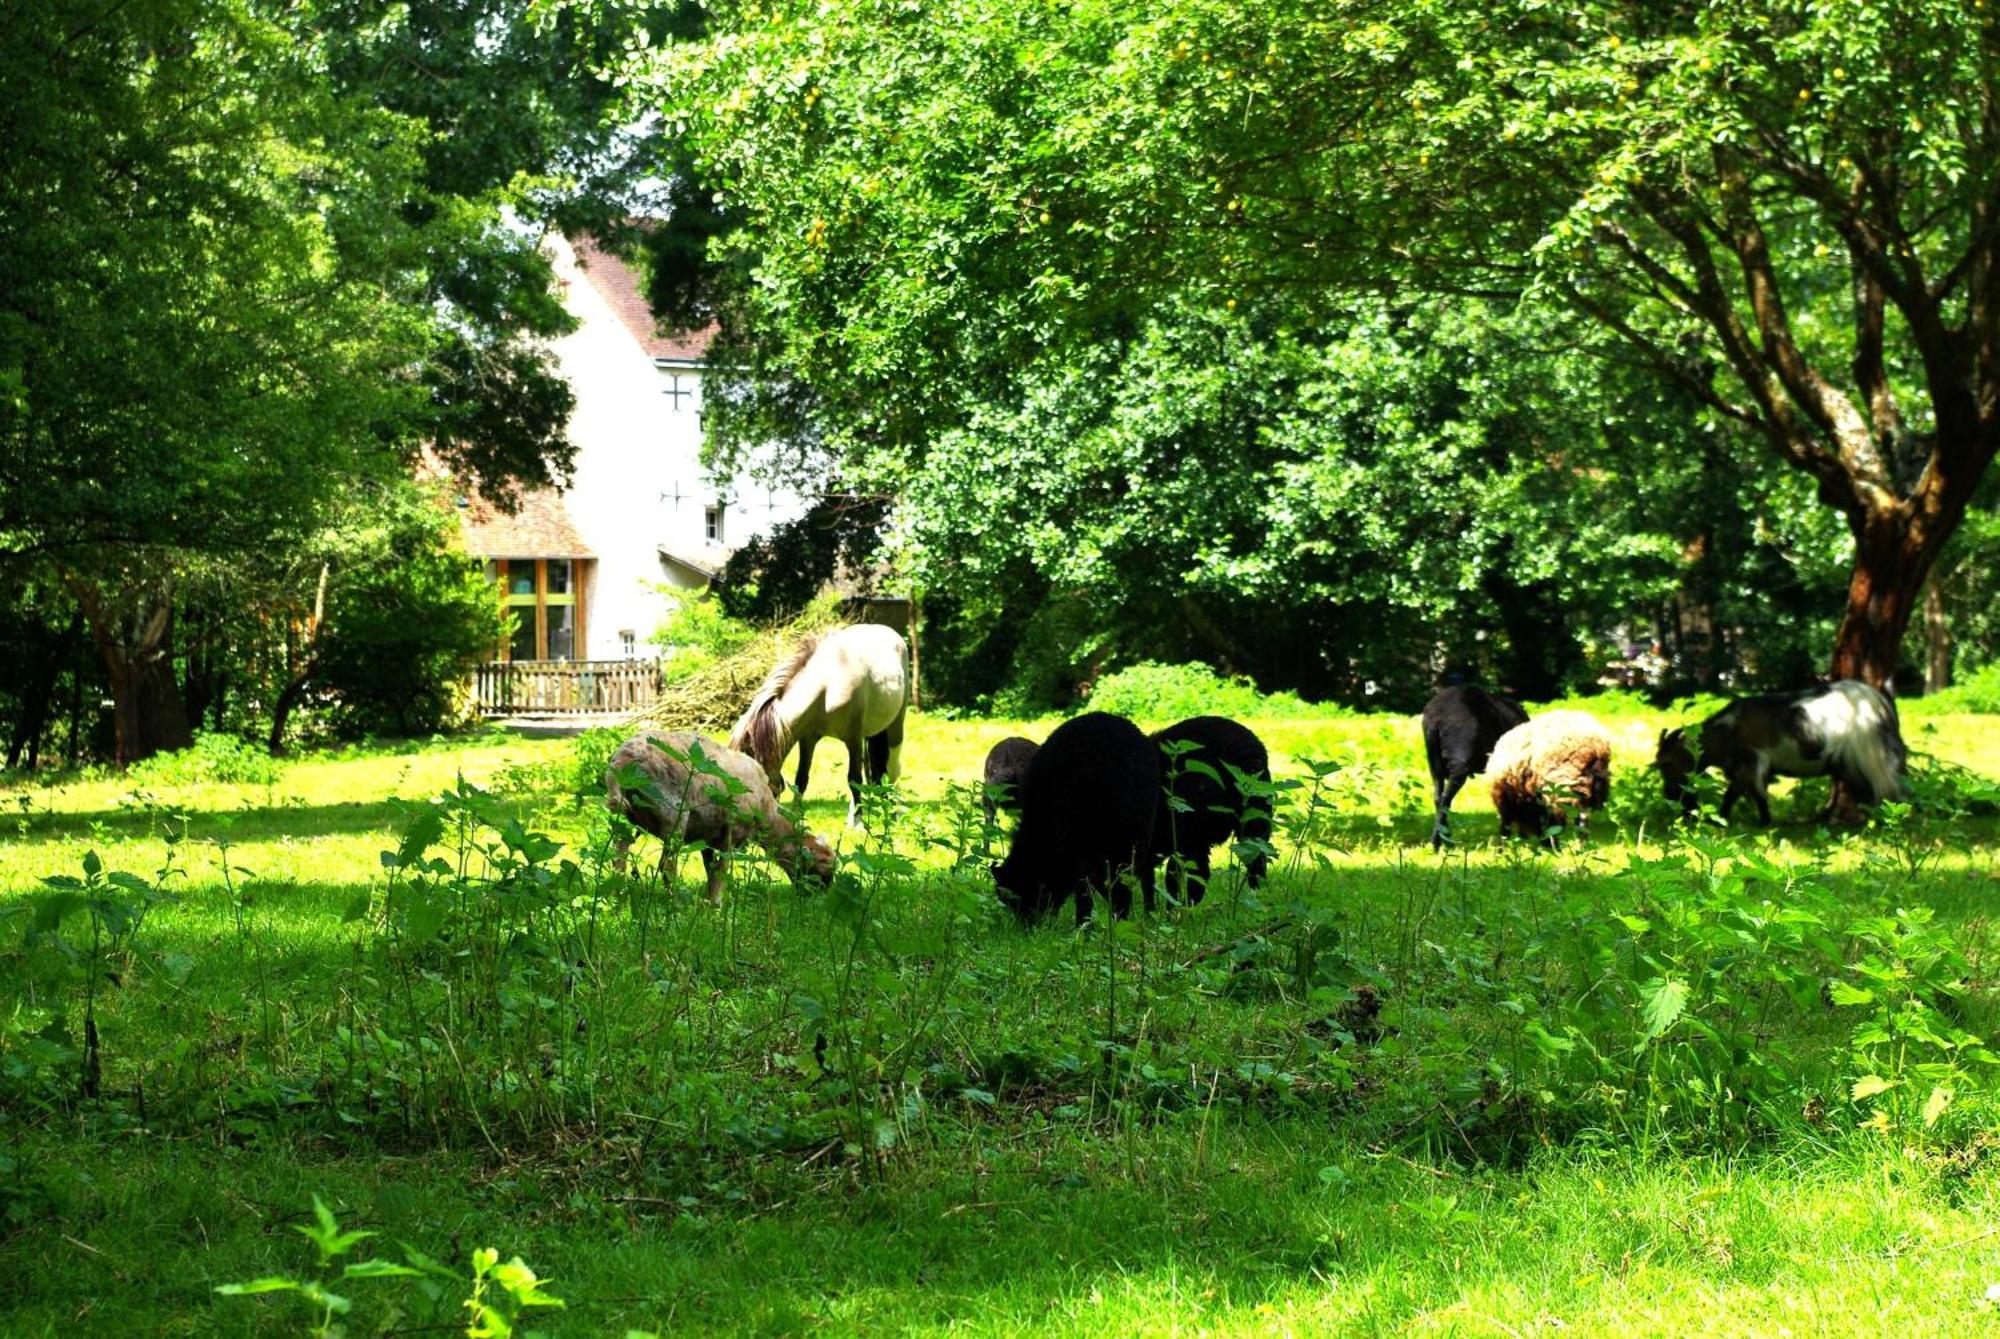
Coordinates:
(581, 568)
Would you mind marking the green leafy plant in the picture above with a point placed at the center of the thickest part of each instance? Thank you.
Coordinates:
(1913, 1056)
(496, 1295)
(1154, 692)
(212, 758)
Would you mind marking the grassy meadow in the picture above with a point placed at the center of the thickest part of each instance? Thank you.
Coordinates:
(1654, 1082)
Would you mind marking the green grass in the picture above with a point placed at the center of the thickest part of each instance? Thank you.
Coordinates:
(739, 1121)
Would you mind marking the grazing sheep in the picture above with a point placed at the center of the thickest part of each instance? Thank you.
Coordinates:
(1006, 768)
(1548, 769)
(1211, 809)
(1461, 726)
(681, 801)
(1087, 807)
(1847, 730)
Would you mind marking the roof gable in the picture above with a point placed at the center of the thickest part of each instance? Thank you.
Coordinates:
(618, 284)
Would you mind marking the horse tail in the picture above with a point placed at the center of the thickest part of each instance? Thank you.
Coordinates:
(1867, 744)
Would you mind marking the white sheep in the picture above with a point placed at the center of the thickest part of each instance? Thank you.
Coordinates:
(1548, 769)
(683, 801)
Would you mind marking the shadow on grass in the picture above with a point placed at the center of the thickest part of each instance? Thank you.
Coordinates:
(294, 819)
(1270, 1228)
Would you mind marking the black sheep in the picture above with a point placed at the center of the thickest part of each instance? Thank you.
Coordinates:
(1006, 769)
(1211, 809)
(1461, 726)
(1087, 806)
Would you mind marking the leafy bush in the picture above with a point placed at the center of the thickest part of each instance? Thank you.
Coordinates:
(696, 634)
(1152, 691)
(212, 758)
(402, 637)
(1977, 692)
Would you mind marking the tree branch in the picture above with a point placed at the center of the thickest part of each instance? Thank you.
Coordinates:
(1828, 409)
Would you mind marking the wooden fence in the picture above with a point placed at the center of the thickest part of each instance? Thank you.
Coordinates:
(536, 687)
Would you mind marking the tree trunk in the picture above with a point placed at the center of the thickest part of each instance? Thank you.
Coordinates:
(304, 660)
(1937, 637)
(146, 705)
(134, 635)
(281, 714)
(1892, 558)
(40, 694)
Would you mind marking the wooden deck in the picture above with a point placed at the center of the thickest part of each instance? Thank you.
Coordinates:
(565, 687)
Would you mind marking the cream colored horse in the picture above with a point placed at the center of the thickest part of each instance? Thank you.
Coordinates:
(851, 684)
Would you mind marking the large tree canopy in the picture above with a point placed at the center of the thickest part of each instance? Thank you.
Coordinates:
(251, 256)
(1786, 209)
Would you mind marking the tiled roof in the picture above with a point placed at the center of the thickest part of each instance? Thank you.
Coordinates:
(618, 284)
(540, 528)
(706, 562)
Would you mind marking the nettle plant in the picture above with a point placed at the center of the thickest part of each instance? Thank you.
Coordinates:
(485, 943)
(1911, 1053)
(82, 940)
(492, 1299)
(1706, 1002)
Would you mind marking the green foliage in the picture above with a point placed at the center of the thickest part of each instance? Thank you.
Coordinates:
(324, 271)
(403, 633)
(1978, 691)
(1222, 454)
(214, 757)
(495, 1295)
(1151, 692)
(1912, 1055)
(38, 1041)
(774, 577)
(697, 633)
(1101, 304)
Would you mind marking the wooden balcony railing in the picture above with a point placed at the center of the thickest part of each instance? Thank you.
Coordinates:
(536, 687)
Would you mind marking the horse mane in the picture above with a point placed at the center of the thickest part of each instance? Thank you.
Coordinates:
(761, 733)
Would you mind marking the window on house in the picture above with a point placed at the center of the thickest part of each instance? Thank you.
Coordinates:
(628, 643)
(680, 392)
(712, 523)
(540, 595)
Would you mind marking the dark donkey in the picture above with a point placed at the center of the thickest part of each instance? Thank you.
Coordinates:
(1846, 730)
(1461, 726)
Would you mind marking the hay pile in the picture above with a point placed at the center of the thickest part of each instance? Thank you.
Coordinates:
(711, 699)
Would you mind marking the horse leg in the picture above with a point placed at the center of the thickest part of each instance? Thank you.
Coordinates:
(892, 761)
(805, 767)
(856, 751)
(1195, 882)
(1447, 791)
(716, 863)
(1120, 891)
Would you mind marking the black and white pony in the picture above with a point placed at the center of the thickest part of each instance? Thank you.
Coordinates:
(1846, 730)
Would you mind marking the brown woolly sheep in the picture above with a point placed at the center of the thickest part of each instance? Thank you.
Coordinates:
(1548, 769)
(679, 800)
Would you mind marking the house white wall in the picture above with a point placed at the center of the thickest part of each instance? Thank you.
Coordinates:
(639, 485)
